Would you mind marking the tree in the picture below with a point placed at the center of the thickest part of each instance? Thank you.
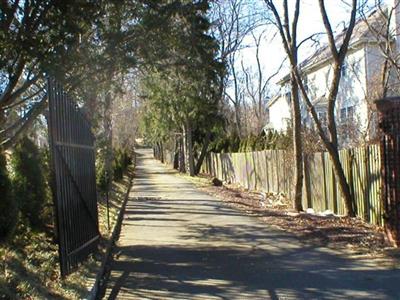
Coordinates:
(28, 181)
(125, 113)
(232, 21)
(35, 37)
(289, 39)
(383, 27)
(257, 86)
(180, 79)
(338, 50)
(8, 207)
(83, 44)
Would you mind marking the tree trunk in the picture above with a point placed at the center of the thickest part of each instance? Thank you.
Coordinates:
(182, 168)
(297, 146)
(176, 153)
(2, 119)
(341, 177)
(189, 149)
(107, 126)
(237, 119)
(202, 153)
(290, 44)
(161, 152)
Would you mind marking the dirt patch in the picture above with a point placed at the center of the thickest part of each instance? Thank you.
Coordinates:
(337, 232)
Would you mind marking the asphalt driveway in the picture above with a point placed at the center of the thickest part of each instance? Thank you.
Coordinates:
(179, 243)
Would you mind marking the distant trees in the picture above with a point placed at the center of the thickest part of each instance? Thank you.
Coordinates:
(180, 84)
(232, 21)
(257, 86)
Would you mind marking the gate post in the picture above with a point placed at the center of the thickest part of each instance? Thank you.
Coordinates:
(389, 124)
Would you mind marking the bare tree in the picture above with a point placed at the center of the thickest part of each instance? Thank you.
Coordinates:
(257, 84)
(289, 39)
(338, 53)
(232, 21)
(125, 114)
(382, 25)
(237, 99)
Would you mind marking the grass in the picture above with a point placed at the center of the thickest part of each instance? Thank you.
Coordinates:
(29, 267)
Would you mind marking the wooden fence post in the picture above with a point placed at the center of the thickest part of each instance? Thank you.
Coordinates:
(389, 124)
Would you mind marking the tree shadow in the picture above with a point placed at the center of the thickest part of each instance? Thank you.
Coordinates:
(211, 251)
(262, 265)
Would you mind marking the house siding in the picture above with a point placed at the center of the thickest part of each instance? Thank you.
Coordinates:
(279, 114)
(357, 87)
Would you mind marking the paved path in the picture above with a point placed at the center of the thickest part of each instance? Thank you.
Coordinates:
(179, 243)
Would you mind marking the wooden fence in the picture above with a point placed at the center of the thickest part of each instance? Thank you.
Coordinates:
(272, 171)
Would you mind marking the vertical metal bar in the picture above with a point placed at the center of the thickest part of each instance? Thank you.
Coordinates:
(75, 197)
(52, 136)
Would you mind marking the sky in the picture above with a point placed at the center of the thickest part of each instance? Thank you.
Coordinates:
(310, 22)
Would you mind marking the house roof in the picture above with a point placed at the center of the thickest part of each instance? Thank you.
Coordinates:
(273, 100)
(361, 35)
(320, 101)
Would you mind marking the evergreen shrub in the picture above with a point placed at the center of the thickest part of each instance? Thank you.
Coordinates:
(8, 206)
(101, 176)
(122, 160)
(28, 181)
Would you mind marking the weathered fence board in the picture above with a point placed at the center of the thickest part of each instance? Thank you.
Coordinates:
(272, 171)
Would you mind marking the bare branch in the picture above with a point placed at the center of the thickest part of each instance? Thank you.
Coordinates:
(10, 136)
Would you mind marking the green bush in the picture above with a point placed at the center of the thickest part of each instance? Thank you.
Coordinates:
(118, 164)
(28, 181)
(234, 144)
(122, 160)
(271, 140)
(230, 143)
(102, 179)
(242, 145)
(259, 144)
(127, 160)
(48, 210)
(8, 207)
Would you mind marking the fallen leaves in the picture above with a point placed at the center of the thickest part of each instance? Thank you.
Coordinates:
(321, 229)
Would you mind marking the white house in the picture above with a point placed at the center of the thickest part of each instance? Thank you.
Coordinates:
(279, 113)
(360, 75)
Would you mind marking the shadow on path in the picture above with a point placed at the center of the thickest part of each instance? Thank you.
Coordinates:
(179, 243)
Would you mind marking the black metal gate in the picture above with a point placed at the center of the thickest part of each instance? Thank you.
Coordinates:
(73, 158)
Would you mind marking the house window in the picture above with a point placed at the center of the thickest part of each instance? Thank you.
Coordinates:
(346, 114)
(342, 114)
(305, 83)
(289, 96)
(350, 112)
(322, 116)
(343, 69)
